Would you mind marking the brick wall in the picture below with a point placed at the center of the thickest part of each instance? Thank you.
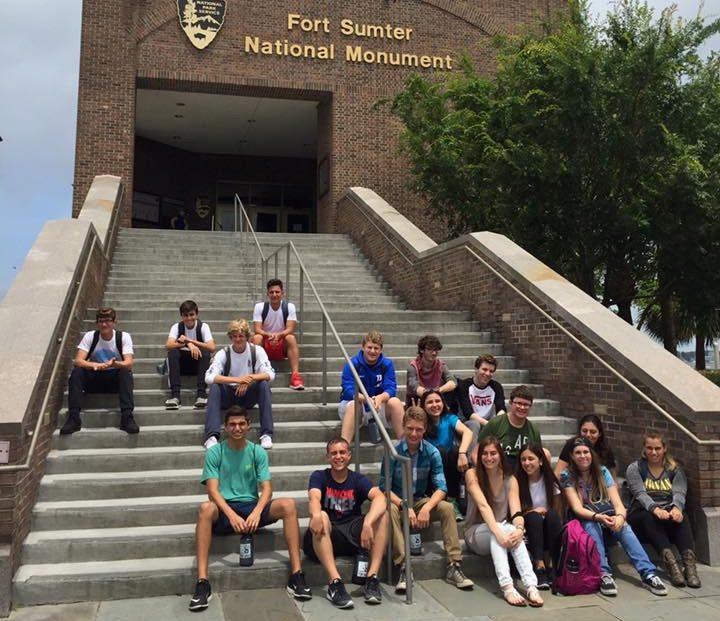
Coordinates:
(455, 279)
(127, 43)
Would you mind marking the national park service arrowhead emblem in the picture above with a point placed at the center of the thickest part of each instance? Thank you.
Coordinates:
(201, 20)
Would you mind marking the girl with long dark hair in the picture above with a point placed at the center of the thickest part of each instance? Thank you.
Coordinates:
(590, 427)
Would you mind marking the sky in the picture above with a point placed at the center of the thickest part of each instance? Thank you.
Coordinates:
(40, 50)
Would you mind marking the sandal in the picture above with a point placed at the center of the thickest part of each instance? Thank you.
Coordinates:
(513, 598)
(533, 597)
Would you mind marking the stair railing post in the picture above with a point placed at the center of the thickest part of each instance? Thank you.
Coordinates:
(276, 266)
(388, 497)
(287, 269)
(408, 498)
(358, 411)
(302, 307)
(325, 360)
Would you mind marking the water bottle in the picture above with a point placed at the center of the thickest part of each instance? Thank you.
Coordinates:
(462, 498)
(247, 551)
(415, 543)
(360, 569)
(373, 432)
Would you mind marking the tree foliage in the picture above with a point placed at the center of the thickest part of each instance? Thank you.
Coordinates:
(595, 147)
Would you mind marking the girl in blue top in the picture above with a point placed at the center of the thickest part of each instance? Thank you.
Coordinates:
(442, 431)
(593, 497)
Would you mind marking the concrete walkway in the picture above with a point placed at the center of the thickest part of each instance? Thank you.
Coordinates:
(434, 600)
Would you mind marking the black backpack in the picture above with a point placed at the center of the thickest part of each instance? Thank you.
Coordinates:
(283, 307)
(96, 340)
(253, 359)
(198, 330)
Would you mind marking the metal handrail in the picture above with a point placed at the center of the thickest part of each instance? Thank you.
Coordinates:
(389, 450)
(35, 433)
(664, 413)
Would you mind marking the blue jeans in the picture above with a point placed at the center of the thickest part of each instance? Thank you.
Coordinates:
(633, 548)
(222, 396)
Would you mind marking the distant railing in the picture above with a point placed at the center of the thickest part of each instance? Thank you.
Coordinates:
(390, 452)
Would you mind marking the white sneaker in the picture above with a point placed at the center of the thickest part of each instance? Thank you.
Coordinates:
(266, 442)
(210, 442)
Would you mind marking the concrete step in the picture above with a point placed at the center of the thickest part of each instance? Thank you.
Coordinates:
(142, 542)
(131, 459)
(544, 412)
(311, 394)
(314, 378)
(69, 582)
(379, 302)
(200, 289)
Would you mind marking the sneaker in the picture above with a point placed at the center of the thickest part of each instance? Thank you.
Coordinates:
(608, 586)
(266, 442)
(371, 590)
(72, 424)
(128, 424)
(401, 585)
(543, 581)
(337, 594)
(296, 382)
(172, 404)
(654, 585)
(162, 368)
(203, 594)
(459, 517)
(297, 587)
(200, 403)
(455, 576)
(210, 442)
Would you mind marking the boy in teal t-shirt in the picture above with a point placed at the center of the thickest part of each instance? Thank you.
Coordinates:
(234, 470)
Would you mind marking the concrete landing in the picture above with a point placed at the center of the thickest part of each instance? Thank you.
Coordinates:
(434, 600)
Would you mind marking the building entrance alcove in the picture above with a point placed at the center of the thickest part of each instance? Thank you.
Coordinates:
(194, 152)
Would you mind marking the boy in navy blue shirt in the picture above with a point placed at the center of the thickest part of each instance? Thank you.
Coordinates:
(377, 374)
(337, 526)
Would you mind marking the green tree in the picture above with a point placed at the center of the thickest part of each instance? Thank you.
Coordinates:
(593, 146)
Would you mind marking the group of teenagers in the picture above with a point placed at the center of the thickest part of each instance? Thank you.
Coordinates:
(463, 443)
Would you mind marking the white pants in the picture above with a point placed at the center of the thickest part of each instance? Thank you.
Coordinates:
(481, 541)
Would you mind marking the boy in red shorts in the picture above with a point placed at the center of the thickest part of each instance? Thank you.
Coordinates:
(275, 322)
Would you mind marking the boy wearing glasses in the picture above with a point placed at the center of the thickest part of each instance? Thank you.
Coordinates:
(514, 430)
(103, 364)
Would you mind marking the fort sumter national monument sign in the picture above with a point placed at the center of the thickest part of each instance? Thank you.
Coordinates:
(368, 43)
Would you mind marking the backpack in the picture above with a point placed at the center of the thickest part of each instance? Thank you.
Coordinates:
(283, 306)
(577, 567)
(198, 330)
(96, 340)
(253, 359)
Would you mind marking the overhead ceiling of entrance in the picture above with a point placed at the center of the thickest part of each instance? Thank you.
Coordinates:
(228, 124)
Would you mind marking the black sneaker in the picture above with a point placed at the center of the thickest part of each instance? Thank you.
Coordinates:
(72, 424)
(608, 586)
(128, 424)
(297, 586)
(203, 594)
(371, 590)
(337, 594)
(543, 581)
(654, 585)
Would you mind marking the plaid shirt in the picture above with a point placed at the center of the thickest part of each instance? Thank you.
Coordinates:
(426, 465)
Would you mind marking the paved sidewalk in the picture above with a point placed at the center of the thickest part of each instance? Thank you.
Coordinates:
(434, 600)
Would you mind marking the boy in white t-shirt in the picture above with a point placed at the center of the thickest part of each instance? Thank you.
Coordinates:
(103, 364)
(274, 324)
(189, 353)
(239, 375)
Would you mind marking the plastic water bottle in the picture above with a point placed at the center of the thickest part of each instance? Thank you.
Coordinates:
(247, 551)
(415, 543)
(462, 498)
(360, 569)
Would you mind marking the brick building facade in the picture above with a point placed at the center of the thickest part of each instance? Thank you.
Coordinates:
(130, 45)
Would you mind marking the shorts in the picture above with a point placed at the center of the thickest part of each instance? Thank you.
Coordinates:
(366, 414)
(223, 527)
(345, 537)
(275, 350)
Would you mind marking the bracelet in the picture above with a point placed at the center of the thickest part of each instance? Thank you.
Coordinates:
(462, 452)
(594, 515)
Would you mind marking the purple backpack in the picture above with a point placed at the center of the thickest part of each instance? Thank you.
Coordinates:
(577, 568)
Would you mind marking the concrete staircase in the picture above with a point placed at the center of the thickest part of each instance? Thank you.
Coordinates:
(115, 514)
